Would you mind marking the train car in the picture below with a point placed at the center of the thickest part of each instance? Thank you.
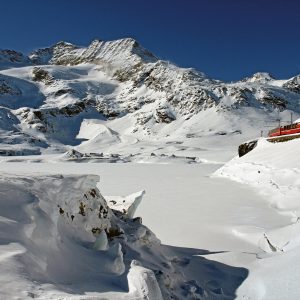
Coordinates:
(285, 130)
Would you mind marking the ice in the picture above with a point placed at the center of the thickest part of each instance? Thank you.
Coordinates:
(127, 205)
(142, 283)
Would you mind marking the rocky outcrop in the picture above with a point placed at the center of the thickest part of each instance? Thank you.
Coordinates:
(293, 84)
(246, 147)
(41, 75)
(46, 55)
(164, 115)
(8, 88)
(12, 58)
(267, 98)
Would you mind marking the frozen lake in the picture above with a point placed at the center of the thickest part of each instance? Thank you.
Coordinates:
(183, 205)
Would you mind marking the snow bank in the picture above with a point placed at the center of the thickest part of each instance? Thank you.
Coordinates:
(273, 169)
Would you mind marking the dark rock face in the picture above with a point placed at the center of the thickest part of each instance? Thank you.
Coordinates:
(13, 58)
(63, 92)
(293, 84)
(12, 152)
(246, 147)
(45, 55)
(6, 89)
(276, 102)
(41, 75)
(164, 115)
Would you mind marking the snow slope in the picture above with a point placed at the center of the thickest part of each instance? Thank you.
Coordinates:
(273, 169)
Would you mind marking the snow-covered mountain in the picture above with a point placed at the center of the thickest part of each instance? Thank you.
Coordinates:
(49, 95)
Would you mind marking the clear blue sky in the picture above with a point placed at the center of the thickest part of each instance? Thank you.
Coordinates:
(226, 39)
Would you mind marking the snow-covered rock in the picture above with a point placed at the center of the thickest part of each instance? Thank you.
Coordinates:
(11, 58)
(45, 55)
(262, 77)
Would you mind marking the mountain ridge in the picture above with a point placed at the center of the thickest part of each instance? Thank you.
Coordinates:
(54, 89)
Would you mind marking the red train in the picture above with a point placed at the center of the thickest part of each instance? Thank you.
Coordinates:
(284, 130)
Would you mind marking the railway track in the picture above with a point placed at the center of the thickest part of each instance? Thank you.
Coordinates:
(283, 138)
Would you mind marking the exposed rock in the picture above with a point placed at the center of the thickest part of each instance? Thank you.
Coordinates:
(268, 98)
(19, 152)
(46, 55)
(42, 75)
(12, 58)
(11, 55)
(164, 115)
(293, 84)
(7, 89)
(246, 147)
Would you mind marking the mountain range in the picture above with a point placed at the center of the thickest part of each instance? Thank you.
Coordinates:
(118, 97)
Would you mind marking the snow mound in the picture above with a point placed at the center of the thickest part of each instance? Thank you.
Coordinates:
(97, 134)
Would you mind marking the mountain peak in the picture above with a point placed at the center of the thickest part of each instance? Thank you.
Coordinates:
(64, 45)
(44, 55)
(262, 77)
(126, 50)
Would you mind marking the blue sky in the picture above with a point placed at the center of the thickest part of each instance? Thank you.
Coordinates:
(226, 39)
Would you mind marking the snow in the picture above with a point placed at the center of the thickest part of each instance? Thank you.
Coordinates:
(273, 169)
(142, 283)
(62, 258)
(253, 218)
(112, 117)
